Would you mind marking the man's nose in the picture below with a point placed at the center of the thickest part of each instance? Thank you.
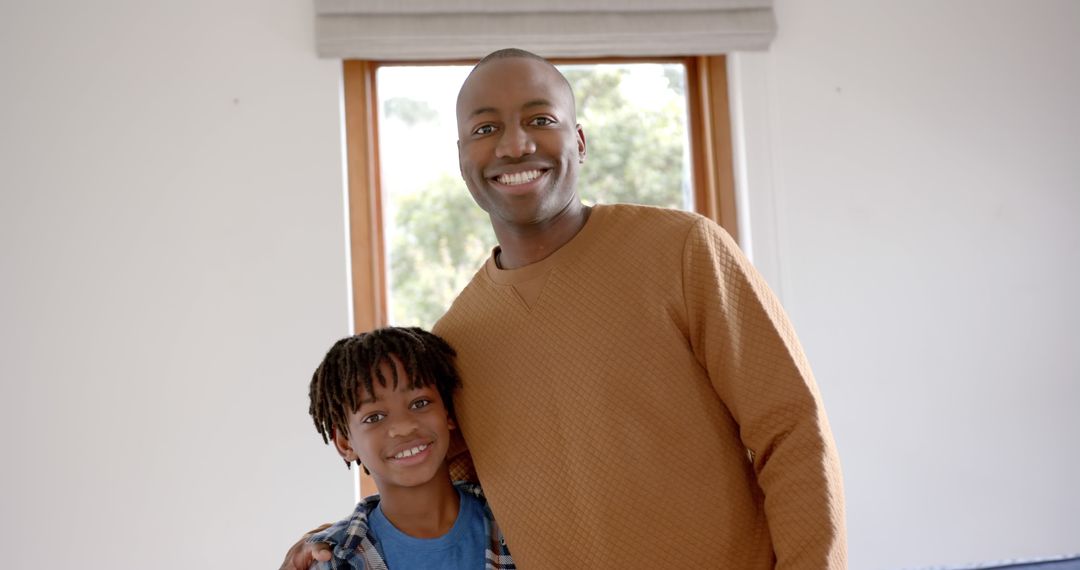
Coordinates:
(514, 142)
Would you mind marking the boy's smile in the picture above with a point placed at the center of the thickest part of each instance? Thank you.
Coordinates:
(412, 453)
(400, 434)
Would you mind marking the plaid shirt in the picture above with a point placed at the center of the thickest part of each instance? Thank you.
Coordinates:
(354, 548)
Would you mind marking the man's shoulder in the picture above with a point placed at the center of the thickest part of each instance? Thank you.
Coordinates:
(648, 218)
(656, 225)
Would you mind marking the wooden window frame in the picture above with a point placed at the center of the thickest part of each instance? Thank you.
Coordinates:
(711, 151)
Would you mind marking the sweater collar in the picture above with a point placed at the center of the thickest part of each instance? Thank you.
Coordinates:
(568, 251)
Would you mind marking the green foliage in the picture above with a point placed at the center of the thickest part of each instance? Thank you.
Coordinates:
(676, 78)
(409, 111)
(634, 155)
(441, 239)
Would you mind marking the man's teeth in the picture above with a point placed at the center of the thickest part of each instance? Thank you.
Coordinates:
(410, 452)
(515, 178)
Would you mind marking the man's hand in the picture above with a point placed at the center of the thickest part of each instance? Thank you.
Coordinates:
(303, 554)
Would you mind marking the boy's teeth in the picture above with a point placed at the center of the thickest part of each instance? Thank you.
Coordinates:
(410, 452)
(516, 178)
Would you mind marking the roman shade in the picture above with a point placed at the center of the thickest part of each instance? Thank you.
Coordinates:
(404, 30)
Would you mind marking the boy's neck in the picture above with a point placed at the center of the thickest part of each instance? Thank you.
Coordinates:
(426, 511)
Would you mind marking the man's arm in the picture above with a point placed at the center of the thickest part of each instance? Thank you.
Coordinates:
(303, 554)
(740, 333)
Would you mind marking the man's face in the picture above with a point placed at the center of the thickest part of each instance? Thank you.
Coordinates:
(519, 146)
(401, 435)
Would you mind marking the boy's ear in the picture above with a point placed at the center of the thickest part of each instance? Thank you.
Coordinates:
(344, 448)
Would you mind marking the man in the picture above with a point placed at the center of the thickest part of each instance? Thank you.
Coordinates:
(633, 395)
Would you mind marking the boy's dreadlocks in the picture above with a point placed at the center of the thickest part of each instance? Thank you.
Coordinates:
(347, 371)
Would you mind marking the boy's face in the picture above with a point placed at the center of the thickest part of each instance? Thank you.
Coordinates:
(401, 435)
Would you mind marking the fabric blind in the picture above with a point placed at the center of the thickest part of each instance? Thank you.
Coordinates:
(469, 29)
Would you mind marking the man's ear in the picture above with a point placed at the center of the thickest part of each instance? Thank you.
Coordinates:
(580, 144)
(461, 169)
(344, 448)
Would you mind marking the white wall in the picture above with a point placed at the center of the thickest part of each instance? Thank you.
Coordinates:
(173, 268)
(914, 173)
(172, 263)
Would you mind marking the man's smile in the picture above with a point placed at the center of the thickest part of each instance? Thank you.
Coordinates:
(515, 178)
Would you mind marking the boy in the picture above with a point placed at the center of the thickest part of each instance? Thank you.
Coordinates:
(385, 398)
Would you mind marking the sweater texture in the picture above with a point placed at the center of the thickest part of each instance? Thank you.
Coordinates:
(638, 399)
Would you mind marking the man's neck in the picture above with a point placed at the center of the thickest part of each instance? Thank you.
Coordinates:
(521, 246)
(428, 511)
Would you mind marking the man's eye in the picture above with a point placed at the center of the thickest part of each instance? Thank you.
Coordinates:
(484, 130)
(543, 121)
(373, 418)
(421, 403)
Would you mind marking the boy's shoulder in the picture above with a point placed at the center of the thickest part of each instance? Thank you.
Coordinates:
(471, 488)
(348, 538)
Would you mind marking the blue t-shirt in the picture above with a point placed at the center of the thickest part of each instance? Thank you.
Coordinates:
(460, 549)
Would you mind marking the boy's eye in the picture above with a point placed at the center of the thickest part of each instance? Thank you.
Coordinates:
(373, 418)
(484, 130)
(542, 121)
(421, 403)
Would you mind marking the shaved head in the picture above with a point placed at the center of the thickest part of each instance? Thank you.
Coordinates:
(511, 53)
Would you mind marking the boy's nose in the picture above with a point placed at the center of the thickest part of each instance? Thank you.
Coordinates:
(402, 427)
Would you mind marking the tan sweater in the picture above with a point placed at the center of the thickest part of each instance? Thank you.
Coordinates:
(614, 395)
